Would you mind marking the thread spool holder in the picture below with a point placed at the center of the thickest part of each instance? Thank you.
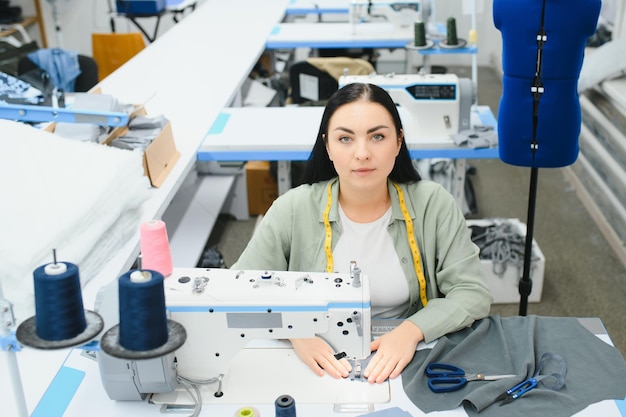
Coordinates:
(111, 346)
(10, 345)
(26, 335)
(439, 45)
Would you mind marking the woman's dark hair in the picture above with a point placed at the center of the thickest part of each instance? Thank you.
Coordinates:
(319, 167)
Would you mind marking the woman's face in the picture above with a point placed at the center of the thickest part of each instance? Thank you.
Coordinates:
(362, 143)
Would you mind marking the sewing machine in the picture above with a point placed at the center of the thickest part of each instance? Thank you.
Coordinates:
(438, 105)
(401, 13)
(224, 310)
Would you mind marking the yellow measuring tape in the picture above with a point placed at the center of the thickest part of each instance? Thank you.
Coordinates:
(328, 240)
(417, 260)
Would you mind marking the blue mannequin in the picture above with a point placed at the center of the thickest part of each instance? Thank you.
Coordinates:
(567, 24)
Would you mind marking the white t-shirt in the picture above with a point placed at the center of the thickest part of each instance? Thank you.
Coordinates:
(371, 246)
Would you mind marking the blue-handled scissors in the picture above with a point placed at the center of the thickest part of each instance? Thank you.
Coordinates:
(443, 377)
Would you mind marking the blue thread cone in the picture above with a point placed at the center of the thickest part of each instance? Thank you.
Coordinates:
(59, 313)
(285, 406)
(143, 320)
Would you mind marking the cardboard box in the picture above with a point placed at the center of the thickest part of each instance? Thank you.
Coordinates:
(503, 278)
(262, 187)
(160, 156)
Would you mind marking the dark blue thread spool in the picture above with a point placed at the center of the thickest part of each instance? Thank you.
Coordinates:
(285, 406)
(143, 320)
(59, 313)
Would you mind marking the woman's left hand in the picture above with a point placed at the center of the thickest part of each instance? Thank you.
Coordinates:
(394, 351)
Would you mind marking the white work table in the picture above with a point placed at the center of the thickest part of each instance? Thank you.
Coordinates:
(287, 134)
(77, 389)
(185, 76)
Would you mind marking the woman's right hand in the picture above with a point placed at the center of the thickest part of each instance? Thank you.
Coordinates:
(316, 353)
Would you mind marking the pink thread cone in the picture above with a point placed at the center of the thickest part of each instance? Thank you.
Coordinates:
(155, 247)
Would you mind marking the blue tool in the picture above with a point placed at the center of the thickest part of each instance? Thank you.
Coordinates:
(518, 390)
(443, 377)
(555, 382)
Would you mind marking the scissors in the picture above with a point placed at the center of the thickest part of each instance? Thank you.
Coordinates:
(443, 377)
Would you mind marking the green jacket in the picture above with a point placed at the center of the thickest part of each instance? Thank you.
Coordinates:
(291, 237)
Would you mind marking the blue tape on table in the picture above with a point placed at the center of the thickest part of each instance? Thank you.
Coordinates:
(219, 124)
(621, 406)
(59, 394)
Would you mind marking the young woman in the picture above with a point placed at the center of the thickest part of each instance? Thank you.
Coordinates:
(362, 200)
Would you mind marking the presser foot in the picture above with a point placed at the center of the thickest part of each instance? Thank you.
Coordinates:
(358, 366)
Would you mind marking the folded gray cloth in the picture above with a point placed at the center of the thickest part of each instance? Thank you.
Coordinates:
(596, 371)
(476, 138)
(145, 122)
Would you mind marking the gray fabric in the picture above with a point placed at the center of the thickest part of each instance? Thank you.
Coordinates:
(478, 137)
(596, 371)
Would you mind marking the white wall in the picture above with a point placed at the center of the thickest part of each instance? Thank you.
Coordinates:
(80, 18)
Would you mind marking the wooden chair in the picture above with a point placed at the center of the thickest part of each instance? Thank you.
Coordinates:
(112, 50)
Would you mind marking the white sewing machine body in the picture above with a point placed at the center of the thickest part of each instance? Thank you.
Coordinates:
(402, 13)
(438, 105)
(223, 310)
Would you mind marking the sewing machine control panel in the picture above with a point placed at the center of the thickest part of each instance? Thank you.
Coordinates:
(201, 286)
(432, 91)
(419, 86)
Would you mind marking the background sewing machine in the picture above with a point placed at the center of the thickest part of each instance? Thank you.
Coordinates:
(437, 105)
(401, 13)
(225, 312)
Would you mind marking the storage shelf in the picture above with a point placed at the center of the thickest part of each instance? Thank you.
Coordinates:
(30, 21)
(26, 22)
